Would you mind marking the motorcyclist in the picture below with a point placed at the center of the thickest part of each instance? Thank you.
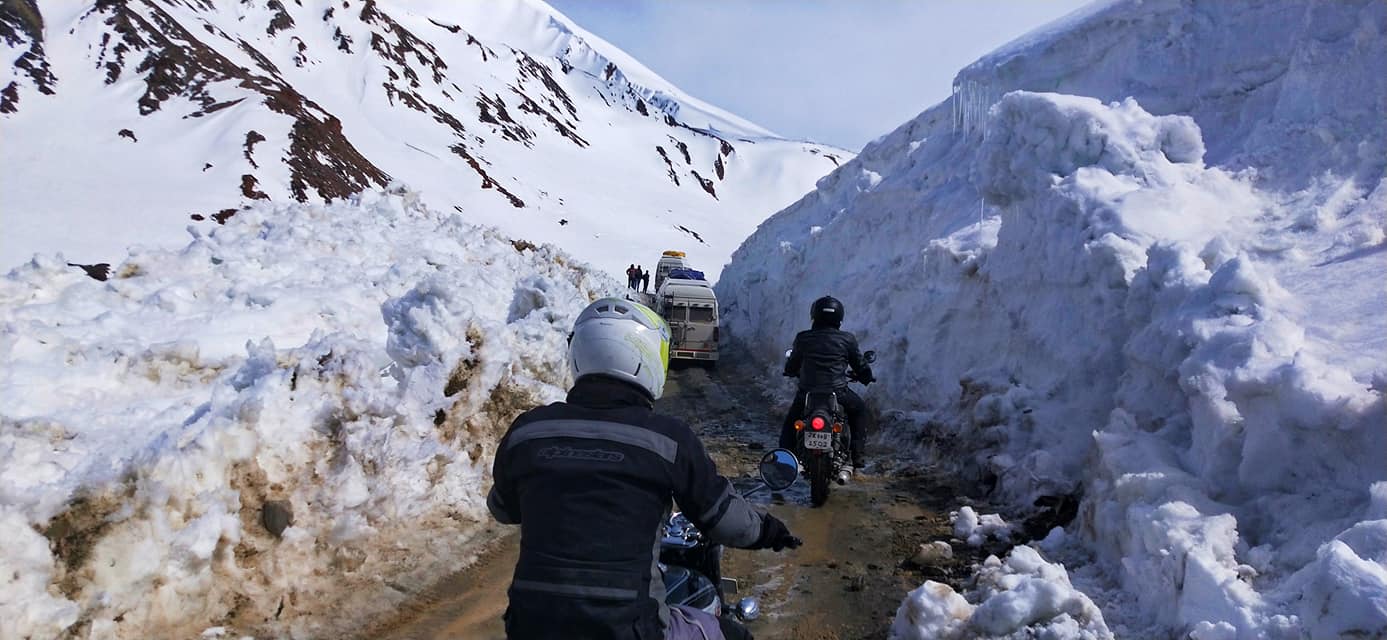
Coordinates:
(820, 359)
(590, 482)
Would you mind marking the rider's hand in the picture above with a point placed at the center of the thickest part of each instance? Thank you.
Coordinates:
(775, 535)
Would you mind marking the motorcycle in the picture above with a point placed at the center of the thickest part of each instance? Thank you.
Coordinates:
(692, 565)
(823, 440)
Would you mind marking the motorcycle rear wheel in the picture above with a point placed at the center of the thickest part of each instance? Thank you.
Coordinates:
(819, 468)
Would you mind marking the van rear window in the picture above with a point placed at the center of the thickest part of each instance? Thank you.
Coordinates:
(701, 314)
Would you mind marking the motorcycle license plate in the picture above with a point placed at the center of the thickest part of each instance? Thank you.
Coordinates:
(818, 440)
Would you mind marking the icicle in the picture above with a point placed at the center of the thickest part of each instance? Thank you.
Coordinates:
(970, 101)
(953, 103)
(970, 98)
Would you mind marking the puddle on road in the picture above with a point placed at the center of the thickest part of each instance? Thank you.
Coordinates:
(846, 581)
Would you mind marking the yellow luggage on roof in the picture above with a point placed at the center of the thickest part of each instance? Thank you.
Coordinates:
(674, 254)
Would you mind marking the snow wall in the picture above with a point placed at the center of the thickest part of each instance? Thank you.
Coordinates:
(1164, 296)
(341, 369)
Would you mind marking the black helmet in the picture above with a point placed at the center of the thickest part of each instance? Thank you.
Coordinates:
(827, 310)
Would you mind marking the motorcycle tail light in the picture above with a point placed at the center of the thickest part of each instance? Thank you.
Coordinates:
(818, 423)
(837, 427)
(799, 425)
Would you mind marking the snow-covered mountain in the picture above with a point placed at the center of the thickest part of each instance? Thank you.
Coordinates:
(1137, 260)
(125, 121)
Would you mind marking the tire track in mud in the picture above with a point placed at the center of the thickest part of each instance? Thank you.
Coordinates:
(845, 582)
(851, 574)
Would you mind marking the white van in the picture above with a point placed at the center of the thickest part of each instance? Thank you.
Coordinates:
(669, 260)
(691, 310)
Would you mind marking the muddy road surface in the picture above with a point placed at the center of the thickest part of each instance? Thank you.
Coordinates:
(845, 582)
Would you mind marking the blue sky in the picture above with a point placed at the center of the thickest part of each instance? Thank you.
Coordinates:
(834, 71)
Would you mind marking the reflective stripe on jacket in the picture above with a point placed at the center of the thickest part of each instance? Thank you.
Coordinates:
(590, 483)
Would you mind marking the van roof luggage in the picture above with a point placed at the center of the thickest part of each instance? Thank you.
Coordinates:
(686, 274)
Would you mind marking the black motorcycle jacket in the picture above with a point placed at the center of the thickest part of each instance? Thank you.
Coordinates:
(821, 357)
(590, 483)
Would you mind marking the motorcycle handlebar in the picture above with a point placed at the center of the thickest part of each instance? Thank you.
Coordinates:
(870, 357)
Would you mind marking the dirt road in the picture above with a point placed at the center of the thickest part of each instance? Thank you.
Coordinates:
(845, 582)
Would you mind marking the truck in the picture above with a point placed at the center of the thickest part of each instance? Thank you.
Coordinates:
(691, 310)
(668, 260)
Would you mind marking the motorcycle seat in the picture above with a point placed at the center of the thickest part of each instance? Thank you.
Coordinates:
(826, 400)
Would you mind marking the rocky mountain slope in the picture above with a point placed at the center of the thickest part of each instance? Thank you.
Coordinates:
(124, 121)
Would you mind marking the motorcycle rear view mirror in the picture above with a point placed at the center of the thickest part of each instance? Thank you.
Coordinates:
(870, 357)
(748, 609)
(779, 469)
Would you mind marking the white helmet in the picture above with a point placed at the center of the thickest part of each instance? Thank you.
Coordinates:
(621, 339)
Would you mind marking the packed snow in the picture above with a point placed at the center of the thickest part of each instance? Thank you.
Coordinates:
(343, 383)
(1023, 596)
(1138, 259)
(977, 528)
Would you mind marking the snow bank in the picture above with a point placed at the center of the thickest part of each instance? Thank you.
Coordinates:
(975, 528)
(1068, 296)
(1024, 596)
(280, 429)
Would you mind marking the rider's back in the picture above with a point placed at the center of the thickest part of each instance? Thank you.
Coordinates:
(823, 356)
(590, 481)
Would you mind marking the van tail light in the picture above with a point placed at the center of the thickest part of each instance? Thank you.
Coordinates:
(715, 334)
(817, 423)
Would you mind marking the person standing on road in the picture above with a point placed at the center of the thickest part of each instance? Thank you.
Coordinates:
(820, 359)
(590, 482)
(645, 281)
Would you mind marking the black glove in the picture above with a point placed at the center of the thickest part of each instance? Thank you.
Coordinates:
(775, 535)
